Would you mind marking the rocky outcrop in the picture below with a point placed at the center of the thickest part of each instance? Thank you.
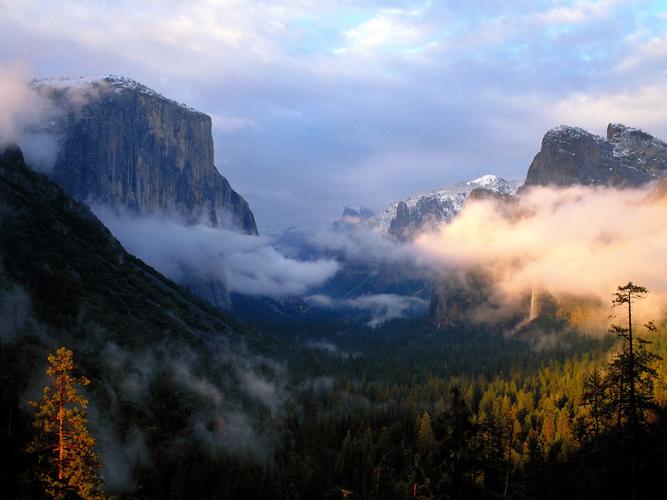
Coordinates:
(125, 145)
(571, 156)
(427, 211)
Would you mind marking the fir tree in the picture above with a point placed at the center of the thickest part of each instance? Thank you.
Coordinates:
(64, 448)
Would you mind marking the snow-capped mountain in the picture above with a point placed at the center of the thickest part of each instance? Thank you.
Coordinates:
(430, 209)
(571, 155)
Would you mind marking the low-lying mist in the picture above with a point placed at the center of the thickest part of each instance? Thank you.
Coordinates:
(247, 264)
(577, 242)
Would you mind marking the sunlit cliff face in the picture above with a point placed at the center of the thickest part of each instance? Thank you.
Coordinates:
(578, 242)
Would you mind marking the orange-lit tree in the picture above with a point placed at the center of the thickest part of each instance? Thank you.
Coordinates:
(67, 463)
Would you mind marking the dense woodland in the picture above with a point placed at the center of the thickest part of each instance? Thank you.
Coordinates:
(405, 412)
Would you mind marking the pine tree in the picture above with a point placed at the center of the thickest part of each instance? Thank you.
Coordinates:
(64, 448)
(632, 374)
(595, 398)
(425, 437)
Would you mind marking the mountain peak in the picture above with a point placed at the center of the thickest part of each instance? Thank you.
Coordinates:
(427, 210)
(572, 155)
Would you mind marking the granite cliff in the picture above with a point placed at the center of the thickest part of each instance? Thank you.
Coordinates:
(124, 145)
(570, 156)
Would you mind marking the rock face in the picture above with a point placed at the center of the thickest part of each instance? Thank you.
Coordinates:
(571, 156)
(353, 217)
(126, 145)
(426, 211)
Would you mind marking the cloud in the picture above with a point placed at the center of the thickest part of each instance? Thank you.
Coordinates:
(380, 307)
(579, 242)
(246, 264)
(579, 11)
(391, 30)
(25, 117)
(423, 94)
(261, 389)
(228, 124)
(365, 244)
(384, 307)
(644, 105)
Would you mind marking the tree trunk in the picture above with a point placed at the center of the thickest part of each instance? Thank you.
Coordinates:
(61, 417)
(633, 410)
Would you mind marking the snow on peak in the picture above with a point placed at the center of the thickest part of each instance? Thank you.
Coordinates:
(444, 203)
(116, 82)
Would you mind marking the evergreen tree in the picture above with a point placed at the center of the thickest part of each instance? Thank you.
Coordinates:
(632, 374)
(67, 463)
(425, 437)
(595, 398)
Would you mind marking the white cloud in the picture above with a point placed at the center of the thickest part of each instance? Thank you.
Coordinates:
(393, 30)
(644, 55)
(384, 307)
(246, 264)
(380, 308)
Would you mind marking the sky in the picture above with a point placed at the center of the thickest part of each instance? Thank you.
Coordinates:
(319, 104)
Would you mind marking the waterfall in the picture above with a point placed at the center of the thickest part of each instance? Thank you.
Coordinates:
(534, 304)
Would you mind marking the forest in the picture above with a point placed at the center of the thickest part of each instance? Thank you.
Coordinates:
(407, 411)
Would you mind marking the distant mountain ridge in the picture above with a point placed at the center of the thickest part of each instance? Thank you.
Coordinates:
(405, 218)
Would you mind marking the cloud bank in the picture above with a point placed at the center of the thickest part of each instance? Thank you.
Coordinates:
(246, 264)
(577, 242)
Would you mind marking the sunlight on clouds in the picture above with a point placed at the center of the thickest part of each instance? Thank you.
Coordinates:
(541, 239)
(644, 107)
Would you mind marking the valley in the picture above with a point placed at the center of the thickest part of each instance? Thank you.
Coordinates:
(337, 288)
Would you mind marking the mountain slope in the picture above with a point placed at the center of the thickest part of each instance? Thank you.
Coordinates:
(171, 375)
(69, 261)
